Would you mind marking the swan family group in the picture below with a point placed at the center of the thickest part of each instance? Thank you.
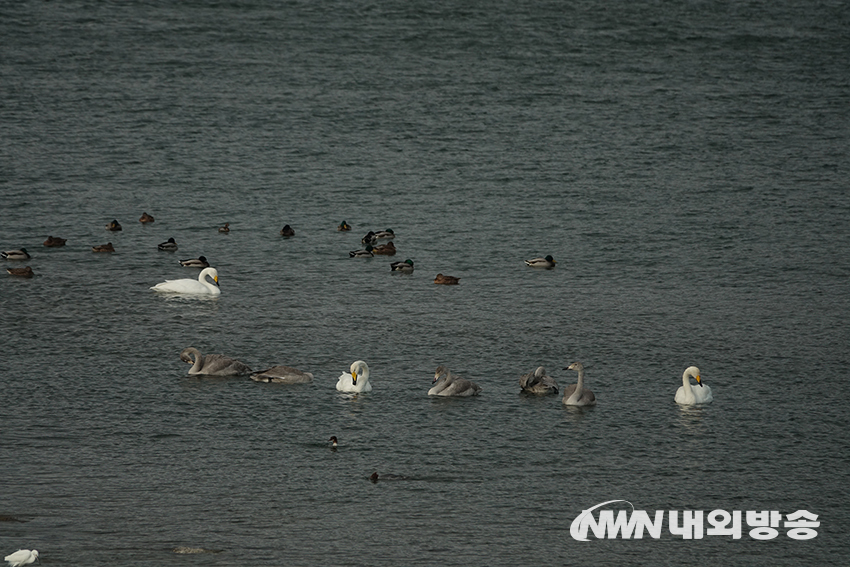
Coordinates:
(445, 382)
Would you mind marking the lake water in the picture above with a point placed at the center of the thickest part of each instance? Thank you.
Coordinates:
(686, 165)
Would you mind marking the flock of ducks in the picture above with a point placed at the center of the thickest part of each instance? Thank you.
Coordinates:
(207, 281)
(445, 382)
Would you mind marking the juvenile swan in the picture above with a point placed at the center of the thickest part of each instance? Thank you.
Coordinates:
(538, 383)
(195, 287)
(282, 375)
(577, 394)
(447, 384)
(688, 396)
(212, 364)
(357, 380)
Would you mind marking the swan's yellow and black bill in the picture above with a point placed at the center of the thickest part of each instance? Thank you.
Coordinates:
(354, 377)
(699, 380)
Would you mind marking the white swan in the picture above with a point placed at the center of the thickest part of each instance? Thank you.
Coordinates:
(282, 375)
(447, 384)
(21, 557)
(577, 394)
(688, 396)
(213, 364)
(538, 383)
(196, 287)
(357, 380)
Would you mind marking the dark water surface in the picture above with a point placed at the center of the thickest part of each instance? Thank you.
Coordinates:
(685, 163)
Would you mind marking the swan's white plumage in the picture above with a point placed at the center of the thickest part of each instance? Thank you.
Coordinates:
(687, 395)
(449, 385)
(199, 286)
(213, 364)
(21, 557)
(355, 381)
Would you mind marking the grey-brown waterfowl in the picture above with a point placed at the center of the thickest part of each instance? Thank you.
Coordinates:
(577, 394)
(387, 249)
(446, 280)
(212, 364)
(103, 248)
(54, 241)
(145, 218)
(537, 382)
(21, 272)
(225, 228)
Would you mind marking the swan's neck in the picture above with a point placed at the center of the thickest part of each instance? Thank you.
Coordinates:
(198, 361)
(686, 384)
(579, 387)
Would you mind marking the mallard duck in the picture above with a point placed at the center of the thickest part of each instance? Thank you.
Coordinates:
(385, 233)
(55, 241)
(199, 262)
(367, 253)
(103, 248)
(22, 272)
(547, 262)
(387, 249)
(343, 226)
(168, 246)
(287, 231)
(369, 238)
(113, 226)
(145, 218)
(21, 254)
(404, 267)
(225, 228)
(446, 280)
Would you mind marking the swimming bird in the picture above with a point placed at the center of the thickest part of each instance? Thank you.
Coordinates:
(357, 380)
(199, 262)
(687, 395)
(333, 441)
(145, 218)
(54, 241)
(385, 233)
(168, 246)
(189, 286)
(22, 272)
(343, 226)
(113, 226)
(225, 228)
(547, 262)
(287, 231)
(103, 248)
(21, 557)
(450, 385)
(405, 267)
(577, 394)
(369, 238)
(537, 382)
(387, 249)
(446, 280)
(375, 477)
(282, 375)
(212, 364)
(20, 254)
(367, 253)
